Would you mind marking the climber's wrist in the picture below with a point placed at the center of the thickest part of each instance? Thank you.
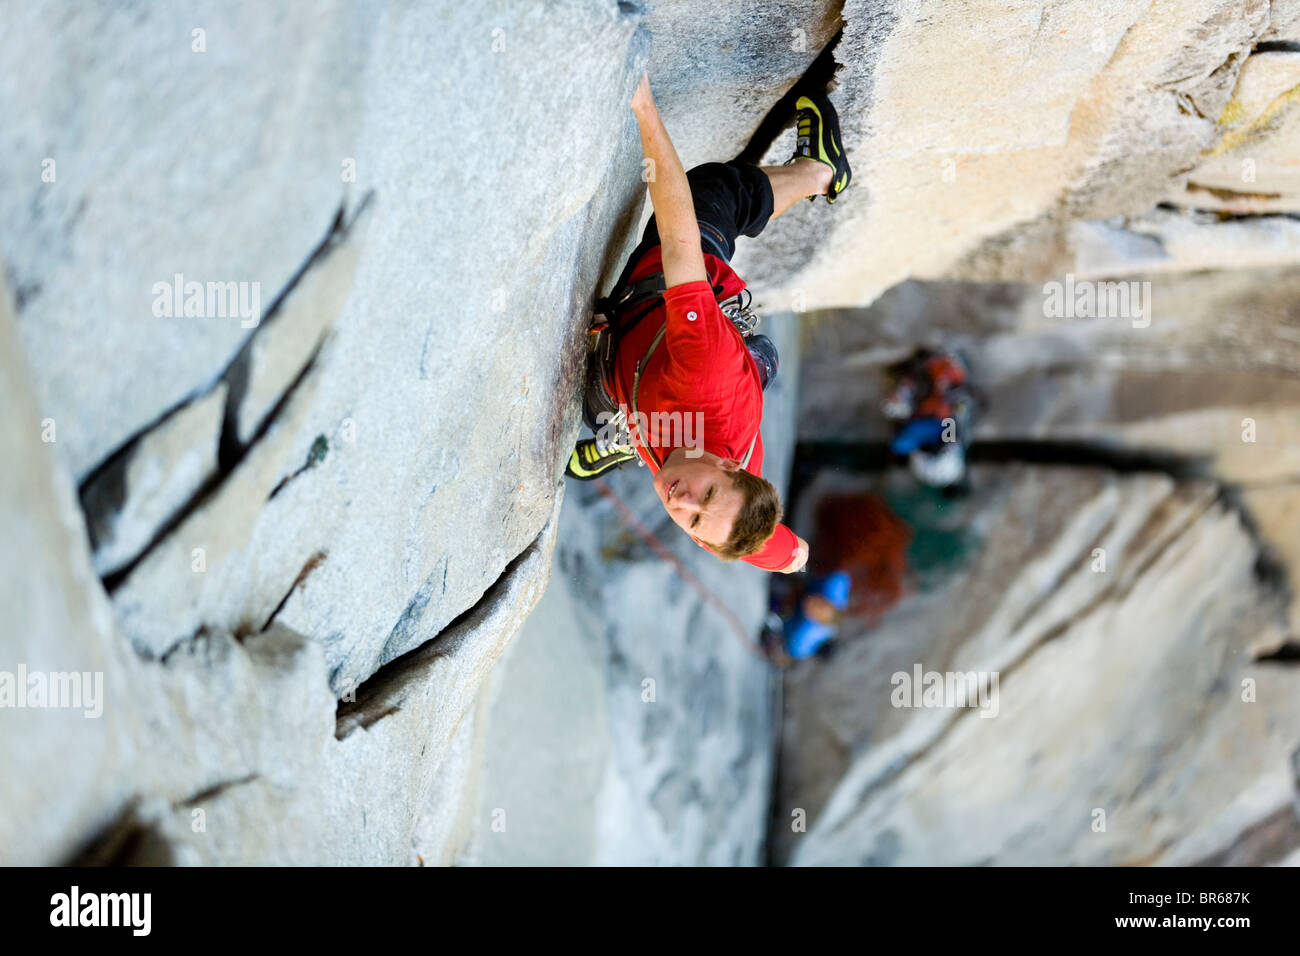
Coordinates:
(643, 101)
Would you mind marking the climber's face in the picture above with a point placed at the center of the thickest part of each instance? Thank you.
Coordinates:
(699, 494)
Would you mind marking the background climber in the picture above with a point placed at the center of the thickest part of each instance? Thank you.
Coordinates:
(929, 400)
(859, 572)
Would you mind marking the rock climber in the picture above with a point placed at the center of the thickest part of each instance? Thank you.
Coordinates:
(799, 627)
(930, 402)
(860, 573)
(670, 349)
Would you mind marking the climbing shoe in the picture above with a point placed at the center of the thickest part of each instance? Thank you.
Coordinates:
(818, 131)
(592, 457)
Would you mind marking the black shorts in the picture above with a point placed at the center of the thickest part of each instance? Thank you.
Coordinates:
(731, 199)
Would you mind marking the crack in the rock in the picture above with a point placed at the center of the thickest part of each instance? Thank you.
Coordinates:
(373, 699)
(869, 456)
(315, 455)
(215, 790)
(236, 373)
(1277, 46)
(314, 562)
(127, 839)
(1230, 195)
(815, 79)
(1223, 215)
(230, 451)
(1288, 652)
(136, 835)
(213, 483)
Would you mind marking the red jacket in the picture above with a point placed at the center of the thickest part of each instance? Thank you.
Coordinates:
(702, 365)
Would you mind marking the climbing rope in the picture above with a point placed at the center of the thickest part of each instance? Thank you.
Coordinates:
(686, 574)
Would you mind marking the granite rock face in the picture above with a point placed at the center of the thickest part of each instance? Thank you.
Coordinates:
(303, 500)
(293, 334)
(985, 135)
(331, 475)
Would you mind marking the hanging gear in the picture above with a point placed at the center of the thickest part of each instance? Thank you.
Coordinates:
(631, 303)
(763, 351)
(624, 308)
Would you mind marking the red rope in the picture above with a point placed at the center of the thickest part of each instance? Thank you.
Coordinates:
(687, 575)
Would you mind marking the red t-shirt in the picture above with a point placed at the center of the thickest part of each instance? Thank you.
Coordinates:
(702, 365)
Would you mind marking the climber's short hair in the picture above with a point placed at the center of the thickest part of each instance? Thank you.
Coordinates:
(757, 520)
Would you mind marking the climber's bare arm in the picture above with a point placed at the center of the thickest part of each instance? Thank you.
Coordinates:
(670, 194)
(800, 557)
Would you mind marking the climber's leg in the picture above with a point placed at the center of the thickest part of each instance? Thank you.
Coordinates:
(817, 137)
(731, 199)
(736, 199)
(801, 179)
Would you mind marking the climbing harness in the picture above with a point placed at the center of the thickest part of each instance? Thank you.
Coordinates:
(636, 386)
(623, 310)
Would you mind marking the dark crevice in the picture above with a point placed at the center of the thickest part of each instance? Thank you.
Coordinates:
(201, 632)
(1223, 215)
(363, 720)
(869, 456)
(236, 374)
(135, 836)
(225, 373)
(314, 562)
(215, 790)
(1230, 195)
(315, 455)
(136, 839)
(814, 80)
(1092, 455)
(129, 840)
(103, 490)
(378, 695)
(102, 493)
(1270, 570)
(209, 488)
(1277, 46)
(1288, 652)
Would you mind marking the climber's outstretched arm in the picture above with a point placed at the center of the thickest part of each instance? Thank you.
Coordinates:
(670, 194)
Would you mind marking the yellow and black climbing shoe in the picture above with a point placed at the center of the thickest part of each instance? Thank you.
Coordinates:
(591, 458)
(818, 131)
